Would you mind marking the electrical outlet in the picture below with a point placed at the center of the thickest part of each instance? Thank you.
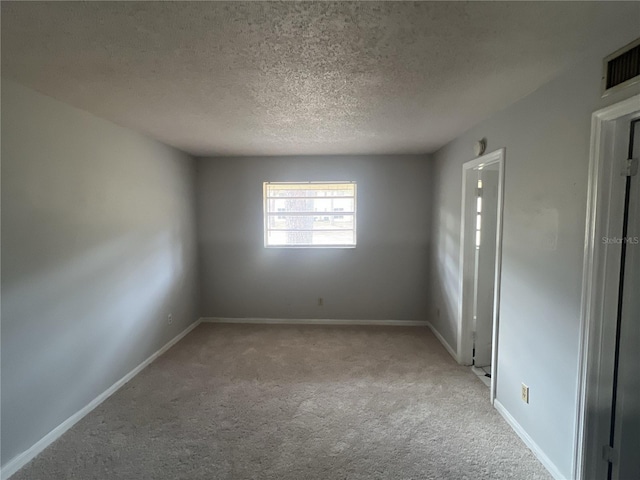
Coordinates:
(525, 393)
(320, 301)
(170, 319)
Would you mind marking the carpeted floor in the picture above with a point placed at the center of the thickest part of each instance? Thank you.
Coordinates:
(295, 402)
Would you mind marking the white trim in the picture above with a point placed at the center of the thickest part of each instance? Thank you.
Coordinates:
(528, 441)
(497, 279)
(269, 213)
(593, 288)
(464, 344)
(19, 461)
(444, 343)
(314, 321)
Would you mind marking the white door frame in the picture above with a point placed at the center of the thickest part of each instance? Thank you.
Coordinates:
(604, 178)
(465, 328)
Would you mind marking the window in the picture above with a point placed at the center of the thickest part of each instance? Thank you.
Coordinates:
(310, 214)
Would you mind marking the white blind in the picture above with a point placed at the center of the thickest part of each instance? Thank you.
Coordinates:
(310, 214)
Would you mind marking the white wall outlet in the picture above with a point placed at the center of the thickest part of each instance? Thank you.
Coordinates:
(525, 393)
(320, 301)
(169, 319)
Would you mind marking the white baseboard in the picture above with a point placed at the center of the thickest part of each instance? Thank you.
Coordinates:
(444, 343)
(533, 446)
(314, 321)
(22, 459)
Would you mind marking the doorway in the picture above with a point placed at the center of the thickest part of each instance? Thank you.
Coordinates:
(608, 434)
(480, 260)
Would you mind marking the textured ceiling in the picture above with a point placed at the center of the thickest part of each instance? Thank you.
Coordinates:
(271, 78)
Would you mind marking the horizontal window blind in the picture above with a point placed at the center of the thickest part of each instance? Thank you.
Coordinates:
(310, 214)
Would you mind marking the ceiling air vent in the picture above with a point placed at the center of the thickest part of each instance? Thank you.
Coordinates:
(621, 68)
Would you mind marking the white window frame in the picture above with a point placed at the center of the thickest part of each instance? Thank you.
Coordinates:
(267, 213)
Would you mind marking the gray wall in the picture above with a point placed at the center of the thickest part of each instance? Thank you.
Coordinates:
(98, 246)
(384, 277)
(547, 137)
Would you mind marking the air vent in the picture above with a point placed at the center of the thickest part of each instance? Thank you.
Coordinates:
(621, 68)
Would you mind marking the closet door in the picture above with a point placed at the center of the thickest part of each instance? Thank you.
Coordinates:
(626, 411)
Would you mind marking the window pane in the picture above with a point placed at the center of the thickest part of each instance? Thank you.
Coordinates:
(310, 214)
(311, 190)
(319, 238)
(311, 204)
(311, 222)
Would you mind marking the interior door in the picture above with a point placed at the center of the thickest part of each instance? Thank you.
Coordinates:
(625, 433)
(486, 230)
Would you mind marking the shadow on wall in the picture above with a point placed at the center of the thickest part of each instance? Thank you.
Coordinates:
(75, 326)
(386, 277)
(446, 283)
(286, 283)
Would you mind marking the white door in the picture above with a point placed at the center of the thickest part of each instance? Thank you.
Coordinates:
(485, 239)
(608, 433)
(480, 246)
(625, 433)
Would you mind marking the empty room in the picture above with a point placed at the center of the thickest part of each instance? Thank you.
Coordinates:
(320, 240)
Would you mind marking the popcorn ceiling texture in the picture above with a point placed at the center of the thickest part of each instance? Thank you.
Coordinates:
(233, 402)
(279, 78)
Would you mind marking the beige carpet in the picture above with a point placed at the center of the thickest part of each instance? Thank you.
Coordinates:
(295, 402)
